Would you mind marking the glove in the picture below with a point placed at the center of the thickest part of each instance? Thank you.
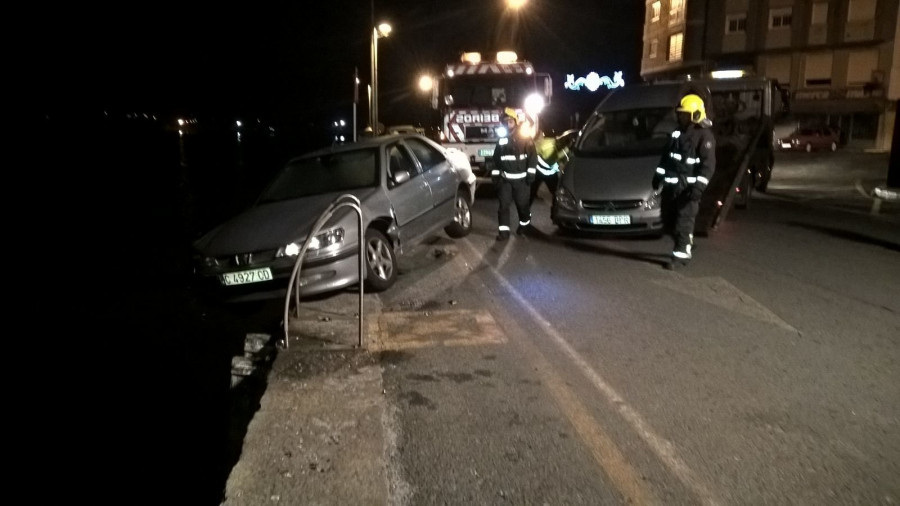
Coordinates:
(495, 180)
(529, 180)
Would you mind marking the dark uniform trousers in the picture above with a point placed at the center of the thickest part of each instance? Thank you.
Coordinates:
(513, 191)
(681, 206)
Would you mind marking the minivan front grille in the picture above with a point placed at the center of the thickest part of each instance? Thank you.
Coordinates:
(612, 205)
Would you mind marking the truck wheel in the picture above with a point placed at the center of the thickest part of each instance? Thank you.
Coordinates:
(808, 147)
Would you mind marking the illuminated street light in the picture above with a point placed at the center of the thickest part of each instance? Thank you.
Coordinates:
(426, 83)
(382, 30)
(516, 4)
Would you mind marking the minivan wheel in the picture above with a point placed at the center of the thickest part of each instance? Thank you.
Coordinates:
(381, 263)
(462, 218)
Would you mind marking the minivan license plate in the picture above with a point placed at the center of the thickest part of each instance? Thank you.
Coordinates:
(603, 219)
(245, 277)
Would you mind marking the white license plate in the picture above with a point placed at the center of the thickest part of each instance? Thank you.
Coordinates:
(485, 152)
(603, 219)
(245, 277)
(785, 145)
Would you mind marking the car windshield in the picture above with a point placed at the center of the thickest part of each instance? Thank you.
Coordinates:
(328, 173)
(627, 133)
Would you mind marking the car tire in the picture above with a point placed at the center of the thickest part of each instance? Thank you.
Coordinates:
(808, 147)
(833, 146)
(381, 262)
(462, 217)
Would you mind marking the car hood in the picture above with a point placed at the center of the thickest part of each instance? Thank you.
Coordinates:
(273, 225)
(628, 178)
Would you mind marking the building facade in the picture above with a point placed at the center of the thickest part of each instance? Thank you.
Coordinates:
(837, 59)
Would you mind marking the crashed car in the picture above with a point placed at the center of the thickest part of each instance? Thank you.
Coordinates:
(409, 188)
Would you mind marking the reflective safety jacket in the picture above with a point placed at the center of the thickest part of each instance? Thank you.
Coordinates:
(514, 158)
(690, 157)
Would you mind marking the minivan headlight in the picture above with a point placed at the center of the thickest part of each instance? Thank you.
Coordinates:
(565, 200)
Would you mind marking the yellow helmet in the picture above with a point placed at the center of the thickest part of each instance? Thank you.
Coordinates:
(694, 105)
(511, 114)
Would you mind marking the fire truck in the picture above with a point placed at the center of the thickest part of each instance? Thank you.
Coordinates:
(473, 94)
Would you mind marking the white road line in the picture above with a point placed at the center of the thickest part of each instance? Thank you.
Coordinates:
(663, 448)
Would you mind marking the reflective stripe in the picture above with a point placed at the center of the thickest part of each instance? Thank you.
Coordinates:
(660, 170)
(531, 170)
(525, 223)
(550, 171)
(680, 254)
(523, 156)
(702, 179)
(504, 228)
(503, 142)
(692, 161)
(510, 175)
(672, 180)
(691, 180)
(495, 172)
(508, 158)
(675, 156)
(676, 134)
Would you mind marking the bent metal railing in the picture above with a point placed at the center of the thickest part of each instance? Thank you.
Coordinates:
(293, 289)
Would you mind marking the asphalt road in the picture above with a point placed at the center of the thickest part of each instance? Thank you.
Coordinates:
(766, 373)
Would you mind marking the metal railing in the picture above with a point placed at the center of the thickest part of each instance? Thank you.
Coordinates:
(346, 200)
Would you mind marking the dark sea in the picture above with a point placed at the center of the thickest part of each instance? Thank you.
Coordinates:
(146, 361)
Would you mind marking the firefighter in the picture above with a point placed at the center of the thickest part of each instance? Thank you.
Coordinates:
(548, 157)
(686, 167)
(513, 173)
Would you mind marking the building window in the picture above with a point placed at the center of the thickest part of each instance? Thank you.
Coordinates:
(676, 40)
(819, 14)
(676, 12)
(861, 10)
(861, 65)
(655, 8)
(736, 23)
(817, 69)
(780, 18)
(654, 48)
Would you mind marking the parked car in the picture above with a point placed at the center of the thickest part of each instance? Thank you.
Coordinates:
(809, 139)
(409, 188)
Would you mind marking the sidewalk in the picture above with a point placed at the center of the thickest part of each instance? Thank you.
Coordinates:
(318, 436)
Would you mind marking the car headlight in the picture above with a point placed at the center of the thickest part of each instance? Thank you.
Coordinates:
(654, 201)
(565, 200)
(320, 241)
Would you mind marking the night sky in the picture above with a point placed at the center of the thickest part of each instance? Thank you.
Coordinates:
(296, 61)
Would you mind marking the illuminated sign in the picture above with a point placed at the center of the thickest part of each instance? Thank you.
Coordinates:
(593, 81)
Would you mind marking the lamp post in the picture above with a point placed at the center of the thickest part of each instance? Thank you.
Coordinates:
(382, 30)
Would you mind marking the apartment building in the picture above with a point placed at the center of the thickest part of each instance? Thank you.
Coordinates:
(837, 59)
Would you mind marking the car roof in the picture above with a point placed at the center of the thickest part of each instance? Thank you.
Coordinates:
(363, 143)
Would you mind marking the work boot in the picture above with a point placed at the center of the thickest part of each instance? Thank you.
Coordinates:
(502, 236)
(523, 230)
(682, 253)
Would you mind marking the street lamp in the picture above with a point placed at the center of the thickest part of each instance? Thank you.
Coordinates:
(382, 30)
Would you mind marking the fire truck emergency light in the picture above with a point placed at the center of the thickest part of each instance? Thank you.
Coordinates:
(507, 57)
(473, 58)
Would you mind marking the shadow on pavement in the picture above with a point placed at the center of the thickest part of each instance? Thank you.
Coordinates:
(849, 235)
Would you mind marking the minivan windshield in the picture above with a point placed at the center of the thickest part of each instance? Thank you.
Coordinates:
(633, 132)
(328, 173)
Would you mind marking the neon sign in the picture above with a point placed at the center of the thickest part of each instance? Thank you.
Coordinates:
(593, 81)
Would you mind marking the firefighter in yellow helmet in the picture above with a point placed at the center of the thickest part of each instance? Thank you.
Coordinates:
(512, 174)
(686, 167)
(549, 154)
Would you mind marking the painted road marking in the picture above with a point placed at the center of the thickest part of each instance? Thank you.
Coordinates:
(403, 330)
(627, 480)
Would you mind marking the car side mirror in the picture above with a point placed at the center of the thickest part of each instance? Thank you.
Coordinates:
(400, 176)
